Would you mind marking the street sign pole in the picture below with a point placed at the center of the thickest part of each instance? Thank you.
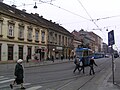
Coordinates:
(112, 64)
(111, 42)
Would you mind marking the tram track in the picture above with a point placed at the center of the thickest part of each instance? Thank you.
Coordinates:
(100, 65)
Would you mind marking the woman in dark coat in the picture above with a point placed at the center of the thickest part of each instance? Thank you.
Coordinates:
(18, 74)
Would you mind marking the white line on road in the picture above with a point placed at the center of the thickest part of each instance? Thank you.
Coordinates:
(3, 78)
(26, 84)
(34, 88)
(6, 81)
(4, 86)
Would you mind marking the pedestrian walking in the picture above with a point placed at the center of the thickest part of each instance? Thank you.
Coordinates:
(52, 58)
(18, 74)
(61, 57)
(27, 58)
(82, 64)
(92, 63)
(77, 63)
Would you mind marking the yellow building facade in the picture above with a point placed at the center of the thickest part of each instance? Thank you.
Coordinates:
(23, 34)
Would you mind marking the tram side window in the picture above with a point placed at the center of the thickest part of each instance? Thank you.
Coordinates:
(85, 53)
(79, 53)
(90, 53)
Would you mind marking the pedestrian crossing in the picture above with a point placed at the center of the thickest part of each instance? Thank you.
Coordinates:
(5, 82)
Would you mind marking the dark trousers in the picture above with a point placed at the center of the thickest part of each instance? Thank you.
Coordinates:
(77, 67)
(82, 69)
(91, 70)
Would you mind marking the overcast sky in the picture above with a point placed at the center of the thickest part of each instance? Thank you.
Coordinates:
(78, 14)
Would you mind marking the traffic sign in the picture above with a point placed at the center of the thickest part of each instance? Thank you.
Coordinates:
(111, 40)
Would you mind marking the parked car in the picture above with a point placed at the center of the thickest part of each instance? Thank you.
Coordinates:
(107, 56)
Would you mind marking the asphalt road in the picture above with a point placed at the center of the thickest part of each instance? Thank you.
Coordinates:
(60, 77)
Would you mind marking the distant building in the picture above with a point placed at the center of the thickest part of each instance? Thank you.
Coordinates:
(89, 39)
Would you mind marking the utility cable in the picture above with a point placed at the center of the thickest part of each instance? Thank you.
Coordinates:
(107, 17)
(65, 10)
(88, 13)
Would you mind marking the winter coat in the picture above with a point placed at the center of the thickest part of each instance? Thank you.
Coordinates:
(19, 71)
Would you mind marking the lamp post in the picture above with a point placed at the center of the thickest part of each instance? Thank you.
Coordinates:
(35, 6)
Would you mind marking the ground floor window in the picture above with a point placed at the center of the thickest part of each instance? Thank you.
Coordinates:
(10, 52)
(20, 52)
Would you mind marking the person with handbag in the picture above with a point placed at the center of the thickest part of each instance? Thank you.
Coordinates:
(77, 63)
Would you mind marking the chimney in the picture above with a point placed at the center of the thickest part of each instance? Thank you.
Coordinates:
(41, 16)
(23, 10)
(36, 14)
(14, 6)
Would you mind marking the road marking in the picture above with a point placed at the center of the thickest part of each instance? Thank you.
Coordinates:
(6, 81)
(26, 84)
(34, 88)
(3, 78)
(4, 86)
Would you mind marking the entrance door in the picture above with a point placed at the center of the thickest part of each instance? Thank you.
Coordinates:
(29, 52)
(10, 52)
(0, 52)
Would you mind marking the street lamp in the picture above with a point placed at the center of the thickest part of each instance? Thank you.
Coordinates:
(35, 5)
(53, 49)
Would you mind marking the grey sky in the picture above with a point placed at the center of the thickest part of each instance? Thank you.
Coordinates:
(77, 14)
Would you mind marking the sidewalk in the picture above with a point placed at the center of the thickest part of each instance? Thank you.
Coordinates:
(109, 82)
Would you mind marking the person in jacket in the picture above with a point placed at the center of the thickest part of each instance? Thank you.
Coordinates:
(77, 63)
(27, 58)
(18, 74)
(92, 63)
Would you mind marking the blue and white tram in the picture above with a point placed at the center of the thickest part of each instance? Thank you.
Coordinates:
(85, 53)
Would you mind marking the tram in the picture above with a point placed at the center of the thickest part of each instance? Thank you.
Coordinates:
(85, 53)
(98, 55)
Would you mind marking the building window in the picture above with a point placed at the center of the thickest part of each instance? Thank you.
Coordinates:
(0, 27)
(55, 38)
(29, 34)
(51, 37)
(62, 40)
(66, 41)
(20, 52)
(37, 35)
(10, 30)
(21, 32)
(0, 52)
(59, 39)
(43, 37)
